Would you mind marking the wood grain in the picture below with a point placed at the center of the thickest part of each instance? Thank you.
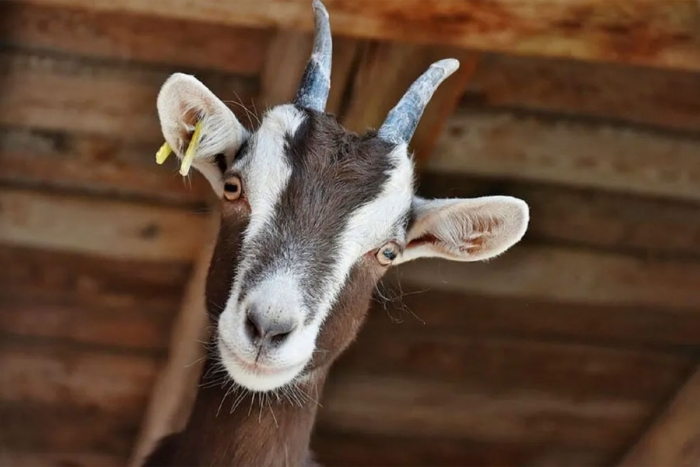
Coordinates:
(576, 153)
(94, 164)
(660, 98)
(416, 309)
(674, 438)
(583, 217)
(119, 35)
(566, 274)
(661, 34)
(381, 405)
(493, 364)
(94, 96)
(107, 228)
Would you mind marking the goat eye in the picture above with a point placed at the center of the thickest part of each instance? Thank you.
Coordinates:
(233, 188)
(387, 254)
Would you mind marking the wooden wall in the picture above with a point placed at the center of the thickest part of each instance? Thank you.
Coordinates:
(562, 352)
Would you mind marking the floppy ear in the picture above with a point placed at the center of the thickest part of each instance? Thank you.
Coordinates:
(183, 102)
(465, 229)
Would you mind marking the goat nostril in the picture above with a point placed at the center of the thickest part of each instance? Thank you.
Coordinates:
(279, 337)
(252, 328)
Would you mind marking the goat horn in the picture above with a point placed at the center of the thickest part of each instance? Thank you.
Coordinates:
(316, 82)
(403, 119)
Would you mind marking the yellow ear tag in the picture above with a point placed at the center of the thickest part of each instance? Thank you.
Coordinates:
(191, 150)
(163, 153)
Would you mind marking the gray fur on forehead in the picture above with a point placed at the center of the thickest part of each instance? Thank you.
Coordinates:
(334, 173)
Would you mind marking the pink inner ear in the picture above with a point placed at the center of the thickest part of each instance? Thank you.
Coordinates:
(427, 238)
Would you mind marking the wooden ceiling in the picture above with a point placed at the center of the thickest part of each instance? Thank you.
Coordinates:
(565, 351)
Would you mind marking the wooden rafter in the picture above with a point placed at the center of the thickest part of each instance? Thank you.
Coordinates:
(674, 438)
(662, 34)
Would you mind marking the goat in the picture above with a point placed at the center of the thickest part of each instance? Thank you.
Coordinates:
(312, 216)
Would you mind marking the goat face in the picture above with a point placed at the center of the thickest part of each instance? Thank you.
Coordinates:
(312, 217)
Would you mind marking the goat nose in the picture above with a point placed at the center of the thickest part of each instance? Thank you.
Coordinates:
(267, 332)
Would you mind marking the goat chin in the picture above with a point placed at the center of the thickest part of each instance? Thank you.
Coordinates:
(257, 378)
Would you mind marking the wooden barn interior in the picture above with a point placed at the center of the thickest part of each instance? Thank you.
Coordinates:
(578, 347)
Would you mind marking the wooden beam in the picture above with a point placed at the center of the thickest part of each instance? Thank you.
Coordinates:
(567, 274)
(389, 405)
(491, 363)
(674, 437)
(119, 35)
(661, 34)
(285, 62)
(660, 98)
(635, 225)
(573, 152)
(174, 392)
(111, 229)
(94, 164)
(384, 73)
(84, 96)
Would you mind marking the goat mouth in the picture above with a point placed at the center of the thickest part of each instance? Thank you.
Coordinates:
(255, 368)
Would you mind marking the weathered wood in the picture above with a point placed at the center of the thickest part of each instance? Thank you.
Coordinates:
(108, 228)
(416, 309)
(120, 35)
(108, 98)
(174, 392)
(384, 73)
(662, 98)
(33, 459)
(584, 154)
(51, 373)
(94, 164)
(492, 364)
(566, 274)
(585, 217)
(286, 59)
(674, 438)
(90, 281)
(56, 429)
(385, 405)
(135, 326)
(333, 448)
(654, 33)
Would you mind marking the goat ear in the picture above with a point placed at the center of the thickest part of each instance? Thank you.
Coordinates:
(183, 102)
(465, 229)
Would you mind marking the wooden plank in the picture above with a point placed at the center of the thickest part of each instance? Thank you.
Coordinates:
(53, 374)
(385, 405)
(566, 274)
(86, 96)
(583, 154)
(112, 229)
(33, 459)
(90, 282)
(57, 430)
(674, 438)
(119, 35)
(638, 31)
(134, 327)
(93, 163)
(413, 308)
(286, 59)
(661, 98)
(175, 390)
(492, 364)
(584, 217)
(334, 448)
(384, 73)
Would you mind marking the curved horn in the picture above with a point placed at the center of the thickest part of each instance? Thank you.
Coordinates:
(316, 82)
(403, 119)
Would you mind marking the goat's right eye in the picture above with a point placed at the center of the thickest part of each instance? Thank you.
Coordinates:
(233, 188)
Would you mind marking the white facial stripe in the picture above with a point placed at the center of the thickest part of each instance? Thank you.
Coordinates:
(267, 173)
(372, 225)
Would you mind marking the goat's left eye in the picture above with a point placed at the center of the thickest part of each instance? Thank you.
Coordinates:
(233, 188)
(388, 253)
